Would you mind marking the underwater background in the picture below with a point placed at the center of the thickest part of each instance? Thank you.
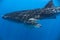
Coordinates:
(50, 29)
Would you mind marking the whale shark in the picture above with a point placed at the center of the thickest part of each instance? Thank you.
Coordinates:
(31, 16)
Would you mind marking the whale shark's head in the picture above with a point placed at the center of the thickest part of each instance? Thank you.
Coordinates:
(5, 16)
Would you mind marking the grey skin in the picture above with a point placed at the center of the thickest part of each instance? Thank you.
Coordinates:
(30, 16)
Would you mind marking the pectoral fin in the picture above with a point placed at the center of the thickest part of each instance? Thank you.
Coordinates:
(32, 19)
(34, 22)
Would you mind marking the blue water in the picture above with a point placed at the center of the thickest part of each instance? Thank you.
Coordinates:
(50, 29)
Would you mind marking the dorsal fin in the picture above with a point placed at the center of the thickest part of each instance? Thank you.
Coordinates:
(50, 4)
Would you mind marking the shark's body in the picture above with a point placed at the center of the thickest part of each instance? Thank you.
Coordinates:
(30, 16)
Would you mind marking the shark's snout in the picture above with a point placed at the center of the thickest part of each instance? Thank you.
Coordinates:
(5, 16)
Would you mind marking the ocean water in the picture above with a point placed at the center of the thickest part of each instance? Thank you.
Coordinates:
(50, 29)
